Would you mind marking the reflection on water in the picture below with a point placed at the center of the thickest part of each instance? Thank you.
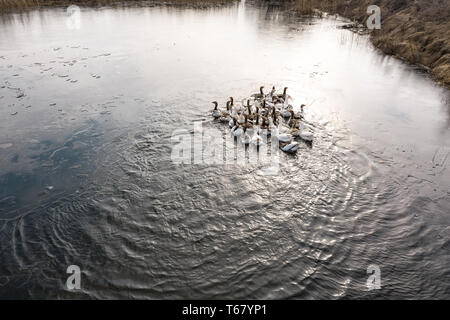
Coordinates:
(86, 177)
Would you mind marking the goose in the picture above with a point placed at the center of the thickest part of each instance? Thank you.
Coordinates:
(293, 123)
(232, 122)
(264, 128)
(281, 137)
(256, 122)
(216, 113)
(254, 115)
(237, 129)
(295, 132)
(225, 116)
(241, 119)
(276, 100)
(235, 109)
(248, 108)
(245, 138)
(277, 103)
(272, 92)
(291, 147)
(286, 111)
(283, 96)
(257, 140)
(275, 115)
(264, 105)
(284, 137)
(306, 136)
(273, 127)
(259, 95)
(299, 114)
(246, 124)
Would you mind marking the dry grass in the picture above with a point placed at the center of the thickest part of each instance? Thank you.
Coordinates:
(417, 31)
(15, 5)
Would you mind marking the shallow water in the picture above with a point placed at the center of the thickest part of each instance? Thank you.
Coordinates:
(86, 120)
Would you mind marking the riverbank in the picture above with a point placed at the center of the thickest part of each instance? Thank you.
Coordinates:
(416, 31)
(19, 5)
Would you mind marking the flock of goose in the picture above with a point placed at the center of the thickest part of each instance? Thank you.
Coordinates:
(263, 115)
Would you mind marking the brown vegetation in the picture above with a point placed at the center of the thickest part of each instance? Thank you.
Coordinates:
(417, 31)
(14, 5)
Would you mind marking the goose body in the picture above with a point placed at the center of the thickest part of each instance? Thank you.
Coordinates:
(293, 122)
(299, 114)
(257, 140)
(237, 131)
(284, 137)
(306, 135)
(283, 96)
(290, 147)
(264, 131)
(285, 113)
(272, 92)
(225, 117)
(241, 119)
(216, 113)
(256, 118)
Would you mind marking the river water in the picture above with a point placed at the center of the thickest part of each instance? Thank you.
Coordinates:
(88, 108)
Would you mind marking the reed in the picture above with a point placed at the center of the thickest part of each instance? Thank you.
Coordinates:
(17, 5)
(416, 31)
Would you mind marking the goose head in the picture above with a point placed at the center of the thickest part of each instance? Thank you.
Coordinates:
(215, 104)
(261, 90)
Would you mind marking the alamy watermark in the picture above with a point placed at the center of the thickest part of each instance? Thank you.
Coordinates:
(73, 22)
(374, 19)
(212, 146)
(73, 282)
(374, 280)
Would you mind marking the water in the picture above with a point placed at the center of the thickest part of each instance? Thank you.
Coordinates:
(86, 178)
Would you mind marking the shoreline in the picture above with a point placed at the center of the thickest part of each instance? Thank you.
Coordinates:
(417, 32)
(18, 6)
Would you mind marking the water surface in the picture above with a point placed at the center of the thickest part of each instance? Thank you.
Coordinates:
(86, 177)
